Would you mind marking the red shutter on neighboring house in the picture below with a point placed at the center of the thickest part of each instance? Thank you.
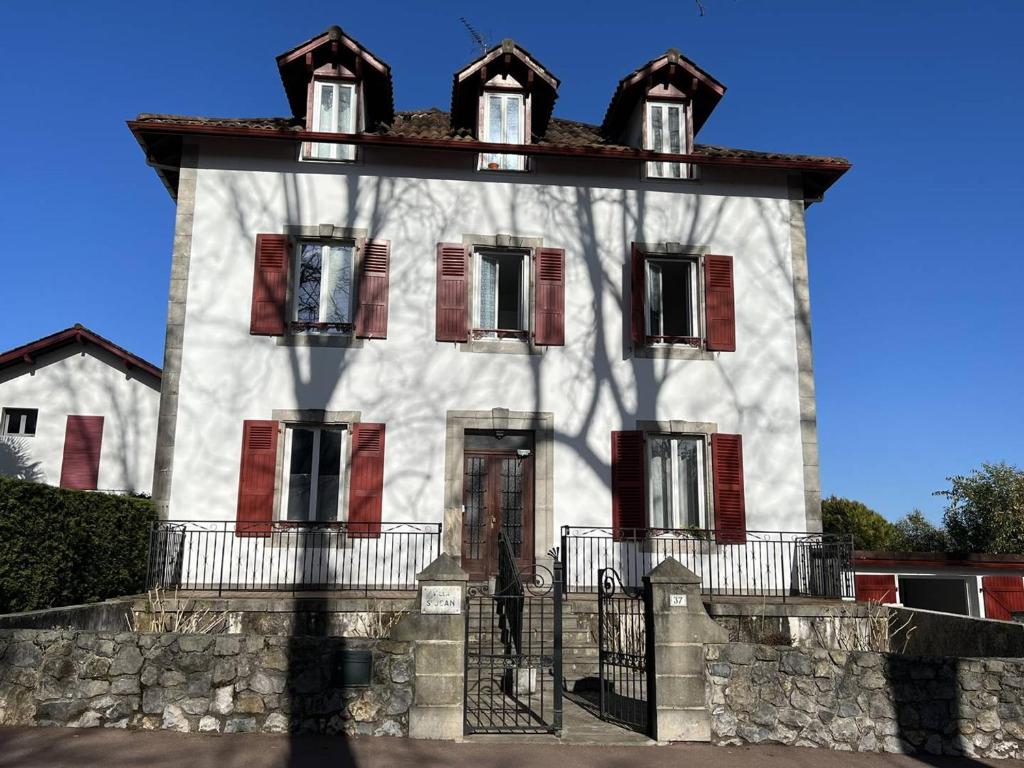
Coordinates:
(730, 505)
(80, 467)
(372, 310)
(256, 478)
(269, 286)
(1004, 596)
(452, 292)
(638, 286)
(629, 507)
(549, 316)
(367, 489)
(879, 587)
(720, 303)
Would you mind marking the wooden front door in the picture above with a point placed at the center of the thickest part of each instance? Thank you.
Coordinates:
(497, 496)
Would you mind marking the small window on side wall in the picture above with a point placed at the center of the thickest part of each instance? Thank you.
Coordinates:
(501, 295)
(19, 422)
(666, 131)
(323, 301)
(334, 111)
(503, 123)
(313, 472)
(677, 479)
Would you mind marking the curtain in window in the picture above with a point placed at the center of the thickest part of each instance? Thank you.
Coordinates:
(654, 299)
(338, 299)
(488, 292)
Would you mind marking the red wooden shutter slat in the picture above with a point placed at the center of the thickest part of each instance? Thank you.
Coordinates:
(549, 307)
(730, 504)
(629, 507)
(372, 309)
(1004, 596)
(367, 489)
(256, 478)
(879, 587)
(638, 286)
(452, 292)
(83, 438)
(720, 305)
(269, 286)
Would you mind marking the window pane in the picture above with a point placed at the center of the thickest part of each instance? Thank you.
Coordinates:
(513, 105)
(307, 298)
(494, 121)
(345, 112)
(300, 471)
(657, 137)
(30, 421)
(674, 138)
(338, 298)
(661, 482)
(690, 481)
(676, 298)
(488, 291)
(654, 299)
(328, 481)
(510, 292)
(325, 120)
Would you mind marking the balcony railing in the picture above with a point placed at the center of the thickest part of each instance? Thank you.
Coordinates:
(763, 564)
(285, 556)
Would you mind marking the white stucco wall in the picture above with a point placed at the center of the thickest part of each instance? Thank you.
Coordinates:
(85, 381)
(592, 385)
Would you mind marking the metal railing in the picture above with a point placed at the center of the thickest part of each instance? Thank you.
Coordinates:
(286, 556)
(760, 563)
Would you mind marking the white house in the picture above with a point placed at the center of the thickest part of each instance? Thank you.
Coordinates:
(78, 411)
(490, 318)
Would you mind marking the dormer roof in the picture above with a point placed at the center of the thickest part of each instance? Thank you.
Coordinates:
(507, 59)
(668, 75)
(334, 48)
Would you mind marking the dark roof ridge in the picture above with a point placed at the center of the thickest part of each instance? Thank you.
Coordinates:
(78, 332)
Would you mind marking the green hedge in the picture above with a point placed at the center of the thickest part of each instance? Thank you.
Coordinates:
(60, 547)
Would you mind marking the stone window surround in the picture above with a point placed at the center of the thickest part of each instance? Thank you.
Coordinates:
(324, 232)
(678, 427)
(316, 418)
(512, 243)
(679, 352)
(542, 424)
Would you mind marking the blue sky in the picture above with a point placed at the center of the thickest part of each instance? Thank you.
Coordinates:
(916, 257)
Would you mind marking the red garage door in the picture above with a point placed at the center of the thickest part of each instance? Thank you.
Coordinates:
(878, 587)
(1004, 595)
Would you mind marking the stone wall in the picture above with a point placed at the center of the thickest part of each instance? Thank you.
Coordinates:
(865, 702)
(224, 683)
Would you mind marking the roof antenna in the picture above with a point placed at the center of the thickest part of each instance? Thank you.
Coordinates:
(478, 39)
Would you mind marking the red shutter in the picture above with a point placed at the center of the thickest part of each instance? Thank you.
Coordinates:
(365, 497)
(372, 310)
(720, 303)
(256, 478)
(452, 292)
(80, 467)
(269, 286)
(638, 284)
(629, 507)
(1004, 596)
(730, 505)
(878, 587)
(549, 309)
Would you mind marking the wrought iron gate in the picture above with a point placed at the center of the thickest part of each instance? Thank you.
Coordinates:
(514, 650)
(625, 657)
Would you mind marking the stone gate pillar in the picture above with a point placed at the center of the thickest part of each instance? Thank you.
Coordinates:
(681, 627)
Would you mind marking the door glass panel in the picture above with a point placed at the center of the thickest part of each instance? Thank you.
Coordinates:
(475, 516)
(300, 472)
(512, 502)
(328, 479)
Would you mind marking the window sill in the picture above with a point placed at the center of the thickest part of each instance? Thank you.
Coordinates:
(672, 352)
(292, 534)
(500, 346)
(319, 340)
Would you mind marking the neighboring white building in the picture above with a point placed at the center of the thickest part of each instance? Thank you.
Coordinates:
(78, 411)
(490, 317)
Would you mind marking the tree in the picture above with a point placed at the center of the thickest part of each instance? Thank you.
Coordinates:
(985, 510)
(914, 533)
(845, 516)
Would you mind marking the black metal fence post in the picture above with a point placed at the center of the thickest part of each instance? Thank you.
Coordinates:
(556, 589)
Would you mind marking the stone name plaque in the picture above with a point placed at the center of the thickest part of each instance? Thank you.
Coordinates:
(441, 600)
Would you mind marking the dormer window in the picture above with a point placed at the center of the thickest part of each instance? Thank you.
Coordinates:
(334, 111)
(665, 131)
(503, 123)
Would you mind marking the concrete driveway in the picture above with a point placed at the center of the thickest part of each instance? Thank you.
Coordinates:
(39, 747)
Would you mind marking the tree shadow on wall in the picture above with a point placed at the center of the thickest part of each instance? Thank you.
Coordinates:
(16, 461)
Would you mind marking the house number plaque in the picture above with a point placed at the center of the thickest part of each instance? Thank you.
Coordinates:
(677, 601)
(443, 600)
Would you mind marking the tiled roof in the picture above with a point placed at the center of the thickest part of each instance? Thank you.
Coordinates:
(434, 124)
(26, 353)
